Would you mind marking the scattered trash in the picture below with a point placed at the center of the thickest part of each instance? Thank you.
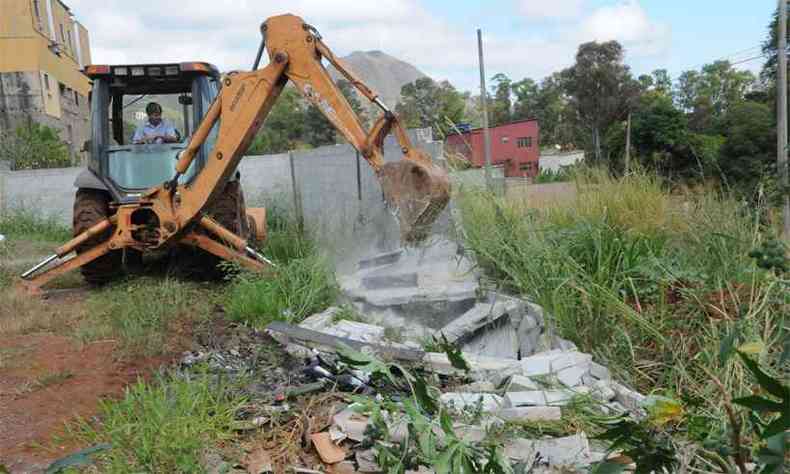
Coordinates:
(329, 452)
(259, 462)
(80, 458)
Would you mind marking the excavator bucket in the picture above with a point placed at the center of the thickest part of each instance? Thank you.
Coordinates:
(416, 192)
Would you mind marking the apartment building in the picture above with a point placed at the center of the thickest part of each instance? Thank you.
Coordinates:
(43, 49)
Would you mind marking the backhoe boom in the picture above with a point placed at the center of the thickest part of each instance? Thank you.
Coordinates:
(172, 213)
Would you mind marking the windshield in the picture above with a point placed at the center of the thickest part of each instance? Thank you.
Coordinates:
(145, 166)
(176, 110)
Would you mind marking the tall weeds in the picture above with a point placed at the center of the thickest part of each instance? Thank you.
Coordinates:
(649, 282)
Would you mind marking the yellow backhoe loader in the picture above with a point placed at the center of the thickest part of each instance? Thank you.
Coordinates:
(137, 198)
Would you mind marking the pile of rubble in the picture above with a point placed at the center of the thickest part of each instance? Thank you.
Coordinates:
(519, 372)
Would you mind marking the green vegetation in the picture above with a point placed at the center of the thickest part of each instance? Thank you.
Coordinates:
(564, 174)
(27, 224)
(33, 146)
(648, 282)
(303, 282)
(163, 425)
(142, 313)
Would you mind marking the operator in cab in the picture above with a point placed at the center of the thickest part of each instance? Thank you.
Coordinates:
(155, 129)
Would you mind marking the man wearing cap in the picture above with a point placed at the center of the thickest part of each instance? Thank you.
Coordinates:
(155, 130)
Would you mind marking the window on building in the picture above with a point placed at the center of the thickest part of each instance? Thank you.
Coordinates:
(524, 142)
(505, 139)
(76, 98)
(70, 43)
(62, 34)
(62, 89)
(46, 82)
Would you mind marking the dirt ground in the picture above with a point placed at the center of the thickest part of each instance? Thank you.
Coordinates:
(49, 378)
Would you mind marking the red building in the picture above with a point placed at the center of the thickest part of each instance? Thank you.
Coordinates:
(514, 145)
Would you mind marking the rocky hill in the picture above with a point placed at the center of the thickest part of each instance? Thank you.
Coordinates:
(383, 73)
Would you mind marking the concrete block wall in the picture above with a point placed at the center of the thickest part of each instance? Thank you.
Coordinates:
(340, 202)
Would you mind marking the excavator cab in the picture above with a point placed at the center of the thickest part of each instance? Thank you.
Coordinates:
(119, 97)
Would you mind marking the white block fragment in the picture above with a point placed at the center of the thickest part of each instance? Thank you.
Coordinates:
(470, 401)
(523, 414)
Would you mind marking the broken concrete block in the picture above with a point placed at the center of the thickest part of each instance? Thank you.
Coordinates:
(322, 320)
(572, 376)
(559, 397)
(470, 401)
(520, 383)
(538, 364)
(570, 359)
(351, 424)
(569, 451)
(357, 331)
(386, 258)
(530, 413)
(482, 386)
(469, 433)
(366, 460)
(630, 399)
(389, 280)
(526, 398)
(482, 368)
(497, 339)
(602, 392)
(599, 371)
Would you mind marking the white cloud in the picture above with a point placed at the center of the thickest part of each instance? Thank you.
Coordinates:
(226, 33)
(551, 9)
(629, 24)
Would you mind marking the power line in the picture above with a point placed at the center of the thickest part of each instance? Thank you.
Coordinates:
(749, 59)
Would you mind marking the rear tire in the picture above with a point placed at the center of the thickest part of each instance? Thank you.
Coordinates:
(90, 207)
(228, 210)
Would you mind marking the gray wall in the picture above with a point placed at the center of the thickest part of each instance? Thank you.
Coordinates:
(347, 215)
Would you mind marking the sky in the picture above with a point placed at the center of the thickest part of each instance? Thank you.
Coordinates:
(521, 38)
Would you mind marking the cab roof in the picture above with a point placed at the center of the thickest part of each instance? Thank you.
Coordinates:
(157, 78)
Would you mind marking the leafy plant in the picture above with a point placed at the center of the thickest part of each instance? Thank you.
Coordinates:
(431, 440)
(33, 146)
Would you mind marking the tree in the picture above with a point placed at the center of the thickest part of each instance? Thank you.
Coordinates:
(426, 103)
(283, 127)
(749, 152)
(501, 107)
(32, 146)
(709, 93)
(527, 97)
(768, 73)
(601, 89)
(662, 83)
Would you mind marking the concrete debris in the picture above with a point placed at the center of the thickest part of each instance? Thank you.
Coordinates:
(569, 451)
(599, 372)
(539, 398)
(521, 383)
(530, 413)
(484, 386)
(471, 401)
(630, 399)
(366, 461)
(351, 424)
(520, 371)
(602, 391)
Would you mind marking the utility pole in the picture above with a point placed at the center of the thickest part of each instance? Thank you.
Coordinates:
(781, 122)
(484, 104)
(628, 145)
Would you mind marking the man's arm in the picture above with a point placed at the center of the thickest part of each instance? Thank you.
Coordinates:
(139, 135)
(170, 133)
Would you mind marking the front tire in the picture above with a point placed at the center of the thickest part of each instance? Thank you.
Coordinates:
(90, 207)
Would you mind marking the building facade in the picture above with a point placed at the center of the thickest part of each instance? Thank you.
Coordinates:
(42, 51)
(514, 146)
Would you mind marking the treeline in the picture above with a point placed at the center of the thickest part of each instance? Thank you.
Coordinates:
(713, 123)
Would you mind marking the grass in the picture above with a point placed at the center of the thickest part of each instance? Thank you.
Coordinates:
(163, 425)
(27, 223)
(648, 282)
(303, 283)
(143, 313)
